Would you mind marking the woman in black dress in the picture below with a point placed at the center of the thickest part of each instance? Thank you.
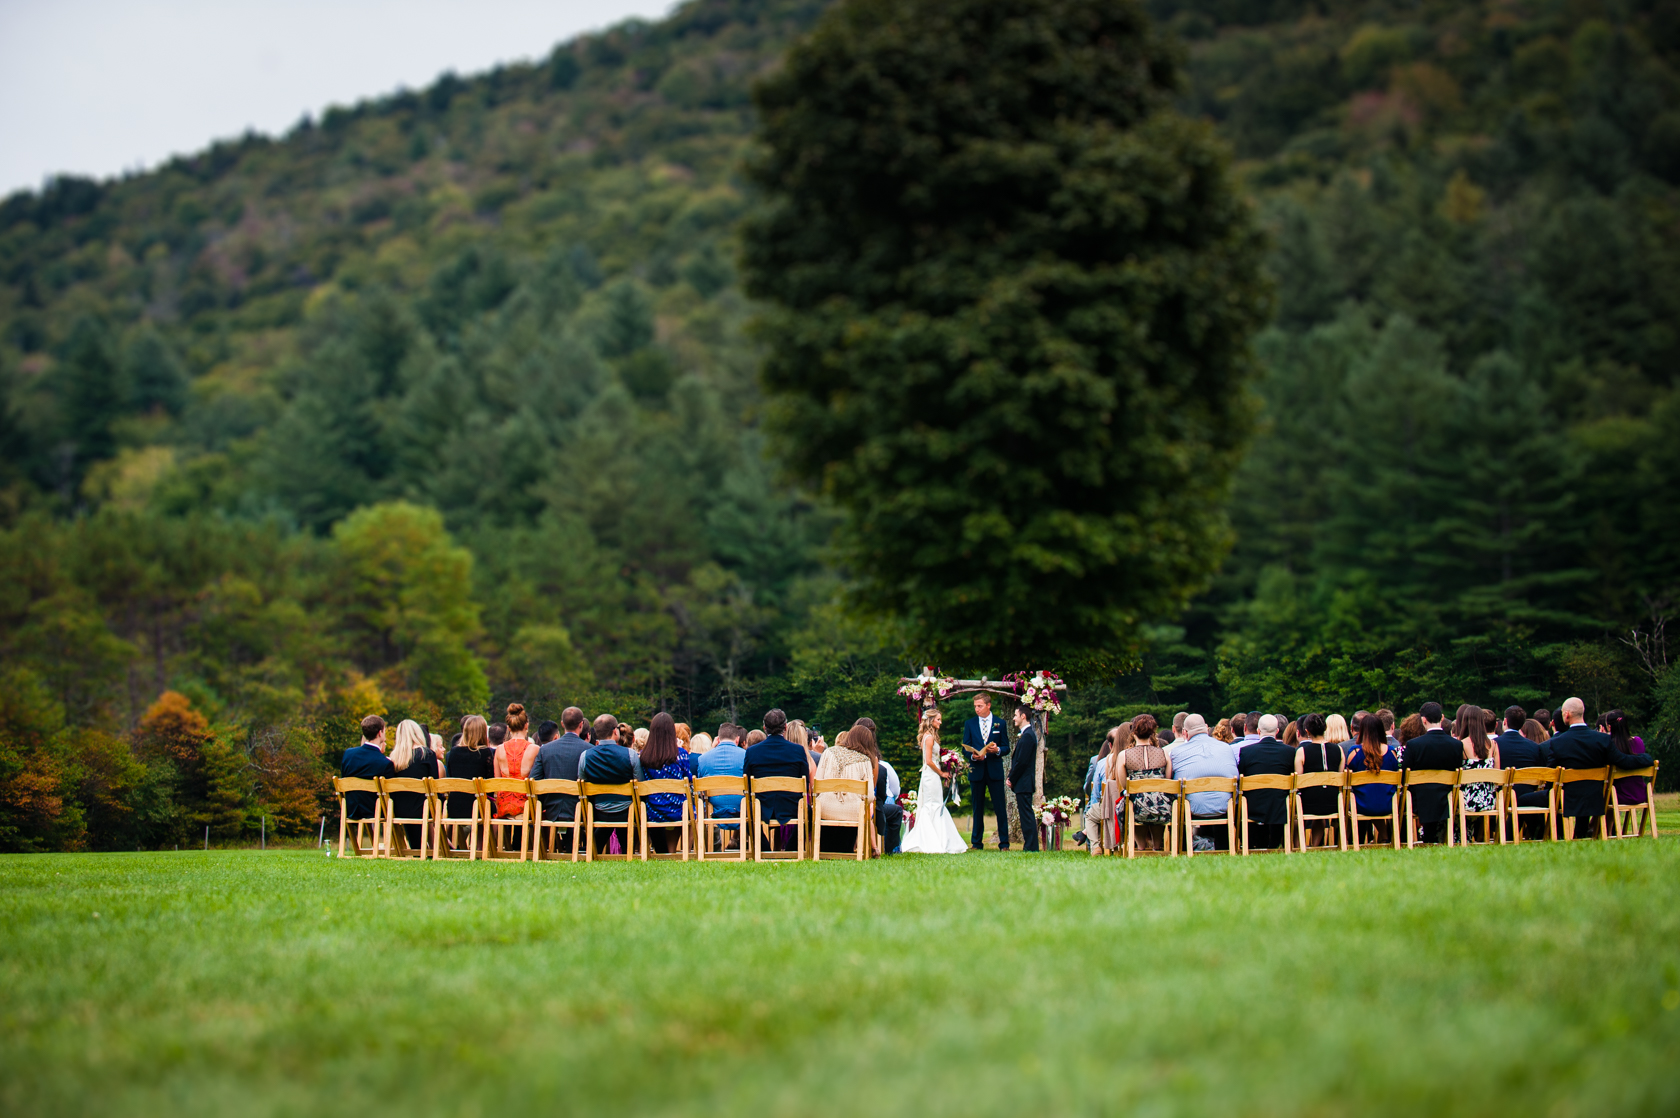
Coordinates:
(1316, 755)
(472, 759)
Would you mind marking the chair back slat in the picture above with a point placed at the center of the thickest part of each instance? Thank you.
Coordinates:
(402, 784)
(1497, 777)
(1384, 776)
(587, 789)
(1318, 780)
(1432, 776)
(551, 787)
(1269, 781)
(1138, 786)
(721, 785)
(502, 784)
(355, 784)
(661, 787)
(855, 787)
(1581, 776)
(1533, 776)
(453, 784)
(778, 784)
(1209, 784)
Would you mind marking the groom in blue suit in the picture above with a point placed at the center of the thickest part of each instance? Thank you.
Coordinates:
(986, 742)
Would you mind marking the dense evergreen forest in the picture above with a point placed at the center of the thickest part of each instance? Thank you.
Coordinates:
(451, 397)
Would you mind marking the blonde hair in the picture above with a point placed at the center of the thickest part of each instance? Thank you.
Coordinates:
(700, 742)
(1124, 738)
(409, 742)
(1336, 730)
(437, 743)
(797, 734)
(926, 725)
(640, 736)
(844, 737)
(475, 732)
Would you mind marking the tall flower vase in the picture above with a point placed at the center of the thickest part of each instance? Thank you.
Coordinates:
(1049, 836)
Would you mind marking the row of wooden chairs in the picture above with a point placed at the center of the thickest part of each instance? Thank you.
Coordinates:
(1618, 821)
(697, 832)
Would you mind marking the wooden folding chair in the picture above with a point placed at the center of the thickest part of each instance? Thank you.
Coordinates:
(709, 829)
(761, 825)
(1415, 777)
(1169, 837)
(496, 830)
(446, 842)
(543, 848)
(1501, 781)
(1566, 777)
(865, 830)
(1359, 779)
(646, 788)
(1191, 822)
(1539, 778)
(586, 802)
(396, 834)
(1645, 813)
(350, 831)
(1336, 780)
(1259, 783)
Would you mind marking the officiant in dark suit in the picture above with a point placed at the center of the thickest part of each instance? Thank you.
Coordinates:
(985, 742)
(1023, 780)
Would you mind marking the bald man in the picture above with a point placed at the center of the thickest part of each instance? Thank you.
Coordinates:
(1579, 747)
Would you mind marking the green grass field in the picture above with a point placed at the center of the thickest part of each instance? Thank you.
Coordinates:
(1541, 979)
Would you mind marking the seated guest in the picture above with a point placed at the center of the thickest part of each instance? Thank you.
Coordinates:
(366, 761)
(513, 762)
(497, 734)
(1409, 728)
(610, 762)
(685, 738)
(724, 758)
(1200, 755)
(1336, 729)
(1375, 755)
(1267, 809)
(699, 743)
(1098, 814)
(547, 731)
(753, 738)
(1517, 751)
(1534, 731)
(1629, 790)
(776, 756)
(557, 759)
(1316, 754)
(843, 762)
(1544, 718)
(1292, 734)
(889, 814)
(1435, 748)
(472, 759)
(664, 758)
(1578, 747)
(1470, 727)
(411, 760)
(1387, 717)
(1137, 755)
(1222, 732)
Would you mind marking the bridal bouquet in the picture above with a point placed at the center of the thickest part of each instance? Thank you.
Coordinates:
(1038, 690)
(1058, 811)
(928, 687)
(952, 764)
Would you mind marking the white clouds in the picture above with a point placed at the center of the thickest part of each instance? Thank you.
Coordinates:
(96, 87)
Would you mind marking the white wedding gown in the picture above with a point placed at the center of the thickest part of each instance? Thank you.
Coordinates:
(934, 832)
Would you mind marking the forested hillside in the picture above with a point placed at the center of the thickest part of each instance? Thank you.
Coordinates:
(449, 398)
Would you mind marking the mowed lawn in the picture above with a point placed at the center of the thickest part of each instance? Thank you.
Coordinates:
(1542, 979)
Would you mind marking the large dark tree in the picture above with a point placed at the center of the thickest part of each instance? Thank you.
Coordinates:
(1011, 300)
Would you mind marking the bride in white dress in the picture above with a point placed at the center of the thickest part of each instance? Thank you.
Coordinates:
(934, 832)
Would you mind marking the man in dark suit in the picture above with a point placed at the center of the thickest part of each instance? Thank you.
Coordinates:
(1435, 749)
(986, 742)
(1023, 782)
(557, 759)
(1581, 748)
(366, 761)
(776, 756)
(1517, 752)
(608, 763)
(1268, 808)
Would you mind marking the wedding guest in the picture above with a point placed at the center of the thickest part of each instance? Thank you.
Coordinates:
(724, 758)
(797, 733)
(366, 761)
(1375, 755)
(1517, 751)
(664, 758)
(639, 738)
(547, 731)
(1200, 755)
(1534, 731)
(889, 814)
(1141, 757)
(497, 734)
(1480, 751)
(754, 737)
(610, 762)
(1336, 729)
(1223, 732)
(1292, 733)
(1316, 754)
(1434, 749)
(1387, 717)
(1267, 809)
(472, 759)
(1578, 747)
(1094, 769)
(1544, 718)
(557, 759)
(841, 761)
(699, 743)
(438, 751)
(513, 761)
(685, 737)
(1410, 727)
(1022, 780)
(776, 756)
(1629, 790)
(411, 759)
(1177, 727)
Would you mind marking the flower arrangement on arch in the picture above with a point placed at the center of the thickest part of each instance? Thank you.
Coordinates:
(1038, 690)
(928, 687)
(1057, 812)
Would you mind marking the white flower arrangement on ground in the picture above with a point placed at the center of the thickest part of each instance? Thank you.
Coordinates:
(1057, 812)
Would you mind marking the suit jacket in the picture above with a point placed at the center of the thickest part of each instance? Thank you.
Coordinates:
(364, 762)
(1023, 768)
(1581, 748)
(608, 763)
(1517, 752)
(1267, 757)
(992, 768)
(776, 756)
(558, 760)
(1436, 749)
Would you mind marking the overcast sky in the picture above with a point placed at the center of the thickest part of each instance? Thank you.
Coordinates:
(97, 87)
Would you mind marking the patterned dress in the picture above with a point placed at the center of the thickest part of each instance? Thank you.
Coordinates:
(666, 807)
(1479, 797)
(1147, 762)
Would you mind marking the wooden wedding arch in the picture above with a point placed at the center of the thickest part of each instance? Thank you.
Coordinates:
(1010, 691)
